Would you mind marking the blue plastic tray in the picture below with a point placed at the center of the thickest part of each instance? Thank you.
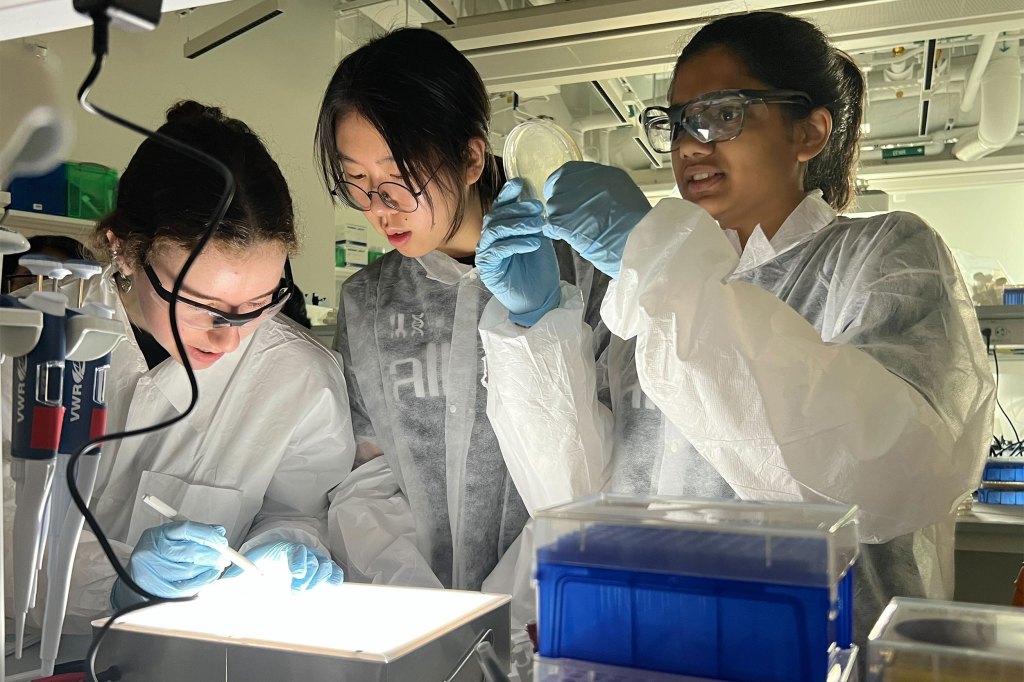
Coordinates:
(594, 605)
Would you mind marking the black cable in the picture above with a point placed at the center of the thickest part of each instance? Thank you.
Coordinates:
(101, 23)
(995, 358)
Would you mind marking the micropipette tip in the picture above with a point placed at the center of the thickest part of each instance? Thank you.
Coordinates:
(19, 634)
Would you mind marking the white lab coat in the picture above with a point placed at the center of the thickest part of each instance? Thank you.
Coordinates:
(270, 436)
(841, 361)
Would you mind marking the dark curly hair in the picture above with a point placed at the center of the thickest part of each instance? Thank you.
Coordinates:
(166, 198)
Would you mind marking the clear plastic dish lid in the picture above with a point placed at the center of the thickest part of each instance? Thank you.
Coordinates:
(534, 150)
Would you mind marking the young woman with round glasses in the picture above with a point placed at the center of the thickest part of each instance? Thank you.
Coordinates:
(402, 136)
(252, 464)
(764, 347)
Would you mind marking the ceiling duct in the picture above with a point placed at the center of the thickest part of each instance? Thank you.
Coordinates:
(585, 40)
(1000, 105)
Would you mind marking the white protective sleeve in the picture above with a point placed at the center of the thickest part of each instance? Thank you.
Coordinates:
(542, 402)
(372, 532)
(373, 536)
(782, 414)
(295, 502)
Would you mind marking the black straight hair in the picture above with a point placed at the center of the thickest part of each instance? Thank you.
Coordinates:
(166, 198)
(792, 54)
(426, 100)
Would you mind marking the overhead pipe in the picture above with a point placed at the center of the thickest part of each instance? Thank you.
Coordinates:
(879, 90)
(1000, 106)
(985, 50)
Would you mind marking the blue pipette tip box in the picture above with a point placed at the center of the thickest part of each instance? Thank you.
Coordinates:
(1002, 481)
(740, 591)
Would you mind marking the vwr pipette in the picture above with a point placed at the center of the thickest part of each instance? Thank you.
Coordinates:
(20, 329)
(35, 434)
(91, 331)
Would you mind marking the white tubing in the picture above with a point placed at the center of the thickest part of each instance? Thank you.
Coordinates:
(985, 50)
(1000, 106)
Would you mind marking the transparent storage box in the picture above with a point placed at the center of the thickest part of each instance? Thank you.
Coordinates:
(741, 591)
(920, 640)
(842, 668)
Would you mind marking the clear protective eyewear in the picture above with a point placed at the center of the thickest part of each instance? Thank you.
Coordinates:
(394, 195)
(198, 316)
(712, 117)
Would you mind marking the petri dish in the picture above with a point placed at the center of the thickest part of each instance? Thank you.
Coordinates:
(534, 149)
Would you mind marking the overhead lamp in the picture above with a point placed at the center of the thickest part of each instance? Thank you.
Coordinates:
(242, 22)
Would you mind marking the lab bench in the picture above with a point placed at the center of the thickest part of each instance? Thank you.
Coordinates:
(989, 552)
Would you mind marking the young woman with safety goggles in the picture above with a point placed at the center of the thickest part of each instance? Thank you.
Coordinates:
(270, 435)
(402, 136)
(765, 347)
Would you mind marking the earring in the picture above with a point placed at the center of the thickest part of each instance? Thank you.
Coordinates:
(123, 283)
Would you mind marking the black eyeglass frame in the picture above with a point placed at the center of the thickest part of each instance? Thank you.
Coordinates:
(676, 114)
(281, 295)
(369, 195)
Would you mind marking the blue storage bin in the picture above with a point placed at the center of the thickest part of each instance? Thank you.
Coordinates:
(43, 193)
(744, 601)
(1013, 296)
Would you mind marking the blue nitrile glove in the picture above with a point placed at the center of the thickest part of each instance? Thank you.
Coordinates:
(303, 566)
(594, 208)
(515, 260)
(173, 560)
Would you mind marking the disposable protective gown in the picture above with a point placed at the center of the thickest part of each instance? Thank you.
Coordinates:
(839, 361)
(431, 502)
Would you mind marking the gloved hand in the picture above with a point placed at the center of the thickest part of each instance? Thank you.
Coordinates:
(303, 566)
(594, 208)
(173, 560)
(515, 260)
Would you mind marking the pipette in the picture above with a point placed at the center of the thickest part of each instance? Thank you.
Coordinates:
(38, 416)
(20, 329)
(91, 331)
(172, 514)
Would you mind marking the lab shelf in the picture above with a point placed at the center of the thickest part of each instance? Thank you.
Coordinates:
(34, 224)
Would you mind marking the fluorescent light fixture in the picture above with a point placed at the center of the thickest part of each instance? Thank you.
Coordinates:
(443, 9)
(242, 22)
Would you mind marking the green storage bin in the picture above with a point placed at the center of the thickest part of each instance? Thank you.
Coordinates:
(92, 190)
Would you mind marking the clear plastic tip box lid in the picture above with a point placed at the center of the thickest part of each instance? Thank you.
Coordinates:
(919, 640)
(801, 544)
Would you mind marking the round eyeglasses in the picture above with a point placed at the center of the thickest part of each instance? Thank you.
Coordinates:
(712, 117)
(198, 316)
(394, 195)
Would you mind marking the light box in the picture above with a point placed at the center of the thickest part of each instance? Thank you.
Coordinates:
(238, 630)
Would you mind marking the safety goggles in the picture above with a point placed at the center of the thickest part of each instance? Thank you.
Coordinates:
(198, 316)
(394, 195)
(712, 117)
